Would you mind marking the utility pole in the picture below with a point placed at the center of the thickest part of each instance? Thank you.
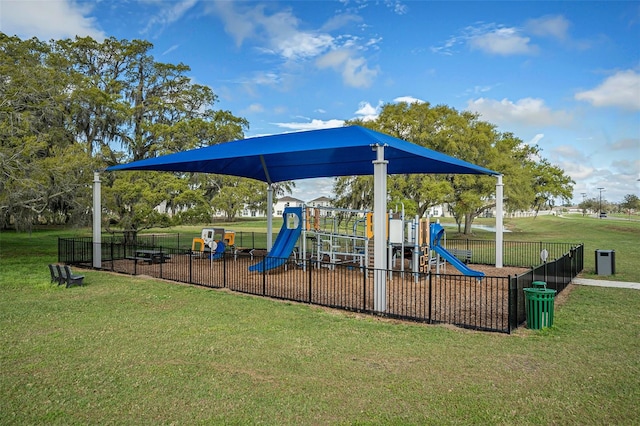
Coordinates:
(600, 208)
(584, 210)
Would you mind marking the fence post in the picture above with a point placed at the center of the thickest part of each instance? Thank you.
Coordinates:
(429, 321)
(309, 267)
(510, 301)
(190, 267)
(135, 259)
(364, 285)
(264, 275)
(224, 269)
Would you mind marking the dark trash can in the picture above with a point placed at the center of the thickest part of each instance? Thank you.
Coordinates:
(605, 262)
(539, 304)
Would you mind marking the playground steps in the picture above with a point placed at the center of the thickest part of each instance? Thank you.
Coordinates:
(370, 259)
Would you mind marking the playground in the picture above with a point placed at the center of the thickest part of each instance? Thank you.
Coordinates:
(332, 236)
(322, 256)
(374, 261)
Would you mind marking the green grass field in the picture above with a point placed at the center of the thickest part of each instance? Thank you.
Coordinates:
(131, 350)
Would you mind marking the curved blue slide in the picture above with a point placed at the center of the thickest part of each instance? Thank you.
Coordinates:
(285, 242)
(436, 232)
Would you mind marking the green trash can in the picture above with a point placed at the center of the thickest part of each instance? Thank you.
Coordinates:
(539, 284)
(539, 307)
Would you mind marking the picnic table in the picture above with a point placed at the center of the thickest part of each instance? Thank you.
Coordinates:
(151, 256)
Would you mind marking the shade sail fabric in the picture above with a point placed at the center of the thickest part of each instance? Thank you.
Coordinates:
(342, 151)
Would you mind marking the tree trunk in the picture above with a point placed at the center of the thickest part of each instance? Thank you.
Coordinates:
(468, 220)
(130, 237)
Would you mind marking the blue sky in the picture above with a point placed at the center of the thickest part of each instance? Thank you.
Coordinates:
(562, 75)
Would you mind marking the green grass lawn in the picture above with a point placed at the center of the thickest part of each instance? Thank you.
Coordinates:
(130, 350)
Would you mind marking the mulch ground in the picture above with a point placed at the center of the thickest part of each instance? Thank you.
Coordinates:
(452, 298)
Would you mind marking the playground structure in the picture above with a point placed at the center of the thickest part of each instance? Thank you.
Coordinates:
(335, 236)
(213, 242)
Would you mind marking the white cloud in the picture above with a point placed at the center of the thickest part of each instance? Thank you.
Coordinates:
(255, 108)
(627, 167)
(537, 138)
(489, 38)
(354, 70)
(303, 45)
(408, 99)
(239, 26)
(502, 41)
(398, 7)
(312, 125)
(49, 19)
(570, 152)
(279, 34)
(577, 171)
(526, 111)
(627, 143)
(171, 49)
(168, 13)
(555, 26)
(266, 79)
(367, 112)
(619, 90)
(338, 21)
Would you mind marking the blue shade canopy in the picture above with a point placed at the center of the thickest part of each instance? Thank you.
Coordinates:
(342, 151)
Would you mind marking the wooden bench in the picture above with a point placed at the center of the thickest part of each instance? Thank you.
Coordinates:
(462, 254)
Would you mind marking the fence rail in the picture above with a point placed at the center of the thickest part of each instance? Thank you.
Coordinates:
(490, 304)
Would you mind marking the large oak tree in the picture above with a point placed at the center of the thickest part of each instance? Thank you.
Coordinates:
(529, 181)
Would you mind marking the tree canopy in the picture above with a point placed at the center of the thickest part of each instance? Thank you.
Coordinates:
(69, 107)
(530, 181)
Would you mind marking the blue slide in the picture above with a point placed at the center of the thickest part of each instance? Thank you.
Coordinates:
(437, 231)
(285, 243)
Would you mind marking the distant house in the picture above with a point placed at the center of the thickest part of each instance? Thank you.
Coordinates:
(247, 212)
(283, 202)
(321, 202)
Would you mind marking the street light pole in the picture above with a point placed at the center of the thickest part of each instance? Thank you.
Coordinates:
(600, 207)
(584, 210)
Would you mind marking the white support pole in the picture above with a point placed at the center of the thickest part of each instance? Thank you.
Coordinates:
(269, 216)
(379, 229)
(499, 221)
(97, 221)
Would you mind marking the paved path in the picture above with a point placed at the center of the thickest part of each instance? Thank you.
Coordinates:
(605, 283)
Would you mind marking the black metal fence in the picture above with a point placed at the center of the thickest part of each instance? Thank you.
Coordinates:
(514, 253)
(490, 304)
